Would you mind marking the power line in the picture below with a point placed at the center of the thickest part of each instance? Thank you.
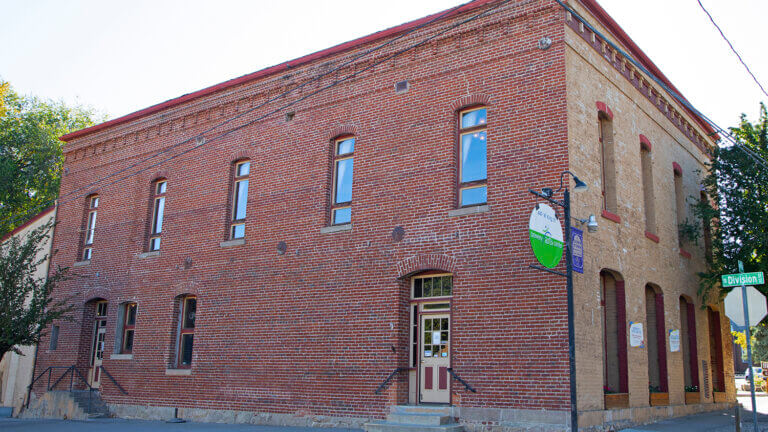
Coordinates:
(673, 93)
(201, 141)
(732, 48)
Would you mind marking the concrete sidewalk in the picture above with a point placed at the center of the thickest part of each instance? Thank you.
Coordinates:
(120, 425)
(718, 421)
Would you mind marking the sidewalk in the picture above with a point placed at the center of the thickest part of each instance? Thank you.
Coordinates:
(718, 421)
(120, 425)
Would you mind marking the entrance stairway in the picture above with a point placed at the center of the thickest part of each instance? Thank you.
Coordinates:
(414, 418)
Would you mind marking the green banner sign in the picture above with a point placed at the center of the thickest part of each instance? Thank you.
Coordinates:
(740, 279)
(546, 236)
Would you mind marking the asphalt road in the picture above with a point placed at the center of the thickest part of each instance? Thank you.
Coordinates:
(120, 425)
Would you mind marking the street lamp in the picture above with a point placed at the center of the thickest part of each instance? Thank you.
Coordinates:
(547, 193)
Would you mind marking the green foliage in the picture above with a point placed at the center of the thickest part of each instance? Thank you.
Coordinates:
(26, 306)
(30, 152)
(654, 389)
(690, 231)
(738, 187)
(691, 389)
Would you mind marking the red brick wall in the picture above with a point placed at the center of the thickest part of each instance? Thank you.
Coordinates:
(308, 331)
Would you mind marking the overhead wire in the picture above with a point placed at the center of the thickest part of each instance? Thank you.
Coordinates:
(200, 137)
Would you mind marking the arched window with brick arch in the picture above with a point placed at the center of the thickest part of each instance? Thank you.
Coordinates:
(646, 173)
(716, 350)
(615, 332)
(688, 343)
(607, 158)
(656, 336)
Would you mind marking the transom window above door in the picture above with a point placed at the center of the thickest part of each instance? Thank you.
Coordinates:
(432, 286)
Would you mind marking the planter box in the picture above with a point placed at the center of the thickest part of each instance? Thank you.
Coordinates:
(660, 399)
(692, 398)
(719, 397)
(616, 400)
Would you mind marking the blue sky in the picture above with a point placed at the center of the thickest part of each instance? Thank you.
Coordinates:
(119, 57)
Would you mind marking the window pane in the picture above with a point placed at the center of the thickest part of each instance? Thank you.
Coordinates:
(238, 231)
(91, 228)
(243, 169)
(159, 212)
(343, 181)
(473, 118)
(160, 188)
(342, 216)
(87, 254)
(190, 310)
(186, 348)
(447, 285)
(346, 146)
(474, 196)
(94, 202)
(241, 199)
(473, 157)
(130, 316)
(417, 288)
(128, 341)
(428, 287)
(154, 243)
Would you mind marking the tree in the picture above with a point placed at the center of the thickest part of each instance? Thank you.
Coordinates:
(30, 152)
(26, 305)
(737, 185)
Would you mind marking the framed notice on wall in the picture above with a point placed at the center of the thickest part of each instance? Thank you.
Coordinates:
(674, 340)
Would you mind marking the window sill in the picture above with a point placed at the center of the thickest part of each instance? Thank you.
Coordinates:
(336, 228)
(464, 211)
(178, 372)
(684, 253)
(230, 243)
(121, 357)
(149, 254)
(611, 216)
(81, 263)
(651, 236)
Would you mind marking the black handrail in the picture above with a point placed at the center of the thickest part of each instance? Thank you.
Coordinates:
(111, 378)
(389, 378)
(461, 380)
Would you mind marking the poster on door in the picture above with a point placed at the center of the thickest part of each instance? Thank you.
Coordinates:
(636, 334)
(674, 340)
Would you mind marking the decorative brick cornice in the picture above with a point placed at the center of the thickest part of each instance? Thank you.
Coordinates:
(645, 143)
(603, 108)
(342, 130)
(423, 262)
(635, 77)
(470, 100)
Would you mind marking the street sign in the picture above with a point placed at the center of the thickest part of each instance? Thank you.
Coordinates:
(546, 235)
(734, 306)
(739, 279)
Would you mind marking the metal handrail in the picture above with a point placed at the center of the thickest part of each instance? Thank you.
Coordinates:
(389, 378)
(111, 378)
(461, 380)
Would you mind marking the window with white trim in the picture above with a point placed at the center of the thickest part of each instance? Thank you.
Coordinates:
(90, 227)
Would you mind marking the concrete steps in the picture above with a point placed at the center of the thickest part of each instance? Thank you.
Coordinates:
(414, 418)
(96, 408)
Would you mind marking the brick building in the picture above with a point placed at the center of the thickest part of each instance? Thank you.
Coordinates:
(362, 215)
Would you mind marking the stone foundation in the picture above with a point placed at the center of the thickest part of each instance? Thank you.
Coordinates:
(54, 404)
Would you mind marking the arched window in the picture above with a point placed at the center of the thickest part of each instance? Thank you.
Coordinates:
(615, 333)
(158, 213)
(341, 187)
(473, 152)
(688, 342)
(716, 350)
(89, 230)
(647, 176)
(242, 171)
(187, 307)
(656, 336)
(608, 163)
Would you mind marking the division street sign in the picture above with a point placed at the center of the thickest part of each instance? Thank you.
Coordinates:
(739, 279)
(734, 306)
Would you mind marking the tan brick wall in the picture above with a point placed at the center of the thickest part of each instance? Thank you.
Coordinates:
(623, 247)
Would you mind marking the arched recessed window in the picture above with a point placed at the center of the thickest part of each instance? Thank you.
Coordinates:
(688, 344)
(92, 203)
(186, 330)
(473, 170)
(343, 173)
(656, 336)
(242, 171)
(126, 321)
(707, 228)
(615, 333)
(679, 203)
(716, 350)
(158, 213)
(649, 206)
(608, 163)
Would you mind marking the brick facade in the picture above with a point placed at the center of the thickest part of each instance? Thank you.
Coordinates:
(303, 319)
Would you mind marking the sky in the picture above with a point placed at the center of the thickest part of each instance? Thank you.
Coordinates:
(121, 56)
